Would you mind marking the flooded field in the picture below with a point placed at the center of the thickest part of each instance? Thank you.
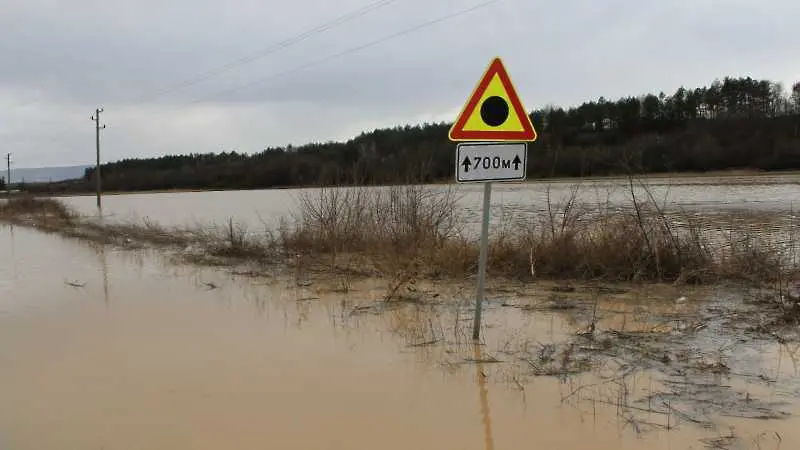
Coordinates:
(122, 349)
(766, 194)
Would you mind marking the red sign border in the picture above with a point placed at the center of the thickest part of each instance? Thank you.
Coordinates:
(457, 132)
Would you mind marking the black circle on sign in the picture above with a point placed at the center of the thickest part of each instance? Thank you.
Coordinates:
(494, 111)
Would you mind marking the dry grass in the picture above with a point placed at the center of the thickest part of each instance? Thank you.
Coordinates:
(642, 242)
(408, 232)
(198, 245)
(404, 233)
(26, 207)
(413, 231)
(398, 233)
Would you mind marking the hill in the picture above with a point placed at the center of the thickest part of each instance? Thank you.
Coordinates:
(735, 123)
(46, 174)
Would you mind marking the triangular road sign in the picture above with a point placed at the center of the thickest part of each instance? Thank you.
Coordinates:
(493, 111)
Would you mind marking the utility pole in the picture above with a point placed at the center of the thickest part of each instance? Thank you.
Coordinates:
(8, 174)
(96, 119)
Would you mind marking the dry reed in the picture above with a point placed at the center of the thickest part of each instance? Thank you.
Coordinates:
(403, 233)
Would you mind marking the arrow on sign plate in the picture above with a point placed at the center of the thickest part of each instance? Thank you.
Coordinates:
(516, 162)
(466, 164)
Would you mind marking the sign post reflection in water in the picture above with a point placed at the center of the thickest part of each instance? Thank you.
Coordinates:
(484, 396)
(495, 116)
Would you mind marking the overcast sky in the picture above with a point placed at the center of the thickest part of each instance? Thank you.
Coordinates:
(63, 58)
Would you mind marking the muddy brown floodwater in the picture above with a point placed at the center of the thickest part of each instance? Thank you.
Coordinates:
(111, 349)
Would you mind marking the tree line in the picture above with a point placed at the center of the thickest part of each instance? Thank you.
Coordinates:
(734, 123)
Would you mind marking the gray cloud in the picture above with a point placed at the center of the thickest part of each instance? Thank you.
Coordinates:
(61, 59)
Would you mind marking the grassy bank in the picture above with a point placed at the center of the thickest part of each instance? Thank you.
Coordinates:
(405, 233)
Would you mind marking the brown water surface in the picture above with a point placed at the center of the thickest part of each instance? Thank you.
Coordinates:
(140, 354)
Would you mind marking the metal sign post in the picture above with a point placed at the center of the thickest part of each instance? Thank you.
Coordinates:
(487, 162)
(487, 204)
(494, 115)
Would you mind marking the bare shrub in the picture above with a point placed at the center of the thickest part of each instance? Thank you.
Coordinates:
(640, 242)
(747, 256)
(235, 241)
(396, 230)
(331, 220)
(404, 232)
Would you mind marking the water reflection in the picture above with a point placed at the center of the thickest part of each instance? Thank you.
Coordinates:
(484, 397)
(104, 269)
(13, 251)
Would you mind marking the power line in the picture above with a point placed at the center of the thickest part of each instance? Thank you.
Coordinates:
(340, 20)
(350, 50)
(272, 49)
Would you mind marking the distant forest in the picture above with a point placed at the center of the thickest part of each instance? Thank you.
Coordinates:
(735, 123)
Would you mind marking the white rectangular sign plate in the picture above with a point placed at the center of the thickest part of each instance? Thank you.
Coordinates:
(483, 162)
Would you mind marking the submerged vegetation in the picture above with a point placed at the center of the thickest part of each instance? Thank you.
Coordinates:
(411, 232)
